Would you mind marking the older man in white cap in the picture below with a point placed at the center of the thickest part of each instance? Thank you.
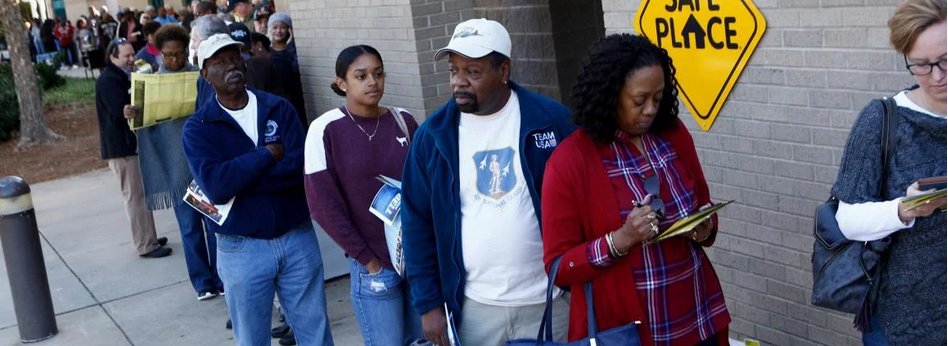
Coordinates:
(471, 198)
(245, 149)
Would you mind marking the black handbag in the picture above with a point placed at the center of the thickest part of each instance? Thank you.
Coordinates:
(846, 272)
(627, 335)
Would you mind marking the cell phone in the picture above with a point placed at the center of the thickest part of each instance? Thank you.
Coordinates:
(936, 183)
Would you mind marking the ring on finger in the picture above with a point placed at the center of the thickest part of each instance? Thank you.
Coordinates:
(654, 228)
(651, 216)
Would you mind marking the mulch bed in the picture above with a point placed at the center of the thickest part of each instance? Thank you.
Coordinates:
(77, 153)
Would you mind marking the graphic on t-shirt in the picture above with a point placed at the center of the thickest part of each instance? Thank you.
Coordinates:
(495, 172)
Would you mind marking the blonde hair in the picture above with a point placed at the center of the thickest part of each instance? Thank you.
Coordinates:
(911, 18)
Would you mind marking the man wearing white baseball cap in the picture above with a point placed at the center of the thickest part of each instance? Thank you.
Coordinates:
(471, 198)
(245, 148)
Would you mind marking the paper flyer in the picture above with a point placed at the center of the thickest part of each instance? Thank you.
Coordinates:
(385, 206)
(162, 97)
(688, 223)
(197, 200)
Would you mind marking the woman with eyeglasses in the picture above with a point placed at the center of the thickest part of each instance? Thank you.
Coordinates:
(628, 174)
(909, 308)
(165, 173)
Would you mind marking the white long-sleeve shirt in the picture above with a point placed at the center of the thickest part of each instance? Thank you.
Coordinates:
(876, 220)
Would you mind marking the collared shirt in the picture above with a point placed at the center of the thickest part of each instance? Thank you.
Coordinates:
(679, 310)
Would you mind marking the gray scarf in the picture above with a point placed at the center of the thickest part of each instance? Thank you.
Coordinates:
(165, 171)
(911, 303)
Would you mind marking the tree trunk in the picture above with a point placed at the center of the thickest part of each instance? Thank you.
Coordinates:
(33, 128)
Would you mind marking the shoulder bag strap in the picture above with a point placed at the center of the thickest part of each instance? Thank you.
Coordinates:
(890, 127)
(401, 122)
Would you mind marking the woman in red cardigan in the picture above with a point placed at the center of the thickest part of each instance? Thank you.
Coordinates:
(629, 173)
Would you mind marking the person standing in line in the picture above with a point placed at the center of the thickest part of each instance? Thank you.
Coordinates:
(130, 30)
(166, 176)
(107, 30)
(150, 52)
(346, 149)
(629, 173)
(261, 19)
(165, 17)
(245, 147)
(909, 308)
(242, 11)
(480, 251)
(65, 34)
(119, 146)
(286, 63)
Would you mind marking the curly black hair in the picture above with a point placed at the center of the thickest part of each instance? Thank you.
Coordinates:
(171, 33)
(605, 71)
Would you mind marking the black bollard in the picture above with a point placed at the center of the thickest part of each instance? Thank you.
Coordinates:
(26, 269)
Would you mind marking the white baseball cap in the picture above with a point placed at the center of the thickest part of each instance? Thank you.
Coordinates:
(212, 44)
(476, 38)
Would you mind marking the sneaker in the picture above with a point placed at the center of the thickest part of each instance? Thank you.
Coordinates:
(202, 296)
(162, 241)
(157, 253)
(220, 291)
(288, 339)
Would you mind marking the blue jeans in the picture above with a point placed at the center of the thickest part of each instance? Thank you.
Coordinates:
(291, 266)
(200, 249)
(382, 305)
(876, 337)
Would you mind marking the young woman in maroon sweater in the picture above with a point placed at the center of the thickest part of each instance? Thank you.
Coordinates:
(629, 173)
(346, 149)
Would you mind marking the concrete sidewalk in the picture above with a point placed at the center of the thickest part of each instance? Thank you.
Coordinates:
(105, 295)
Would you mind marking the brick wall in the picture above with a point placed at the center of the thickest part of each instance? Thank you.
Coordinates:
(323, 28)
(775, 148)
(533, 59)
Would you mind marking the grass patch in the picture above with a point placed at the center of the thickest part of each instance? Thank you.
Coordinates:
(76, 90)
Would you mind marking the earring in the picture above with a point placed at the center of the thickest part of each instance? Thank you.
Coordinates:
(505, 82)
(345, 91)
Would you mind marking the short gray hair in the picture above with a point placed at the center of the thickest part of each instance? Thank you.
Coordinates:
(207, 26)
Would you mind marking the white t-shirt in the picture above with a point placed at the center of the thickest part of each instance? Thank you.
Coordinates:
(500, 234)
(876, 220)
(246, 117)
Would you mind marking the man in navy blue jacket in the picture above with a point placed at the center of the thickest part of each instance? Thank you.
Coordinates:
(245, 147)
(471, 198)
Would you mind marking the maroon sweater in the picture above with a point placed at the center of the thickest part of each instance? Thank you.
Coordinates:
(341, 169)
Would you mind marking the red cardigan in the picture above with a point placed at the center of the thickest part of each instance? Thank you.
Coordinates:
(579, 206)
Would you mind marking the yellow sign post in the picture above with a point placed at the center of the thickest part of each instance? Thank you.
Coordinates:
(709, 41)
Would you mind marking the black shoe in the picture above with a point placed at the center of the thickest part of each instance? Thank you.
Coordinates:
(202, 296)
(288, 339)
(229, 325)
(157, 253)
(162, 241)
(280, 331)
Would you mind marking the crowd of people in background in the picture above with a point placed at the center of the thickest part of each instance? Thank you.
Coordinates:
(94, 30)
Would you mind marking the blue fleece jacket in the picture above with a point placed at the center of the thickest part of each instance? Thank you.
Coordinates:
(431, 210)
(270, 199)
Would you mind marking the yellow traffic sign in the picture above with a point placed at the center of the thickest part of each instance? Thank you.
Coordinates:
(709, 41)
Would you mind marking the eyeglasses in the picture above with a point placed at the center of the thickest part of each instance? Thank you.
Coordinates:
(653, 187)
(174, 56)
(924, 68)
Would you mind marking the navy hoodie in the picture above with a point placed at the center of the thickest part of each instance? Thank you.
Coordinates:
(431, 209)
(269, 194)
